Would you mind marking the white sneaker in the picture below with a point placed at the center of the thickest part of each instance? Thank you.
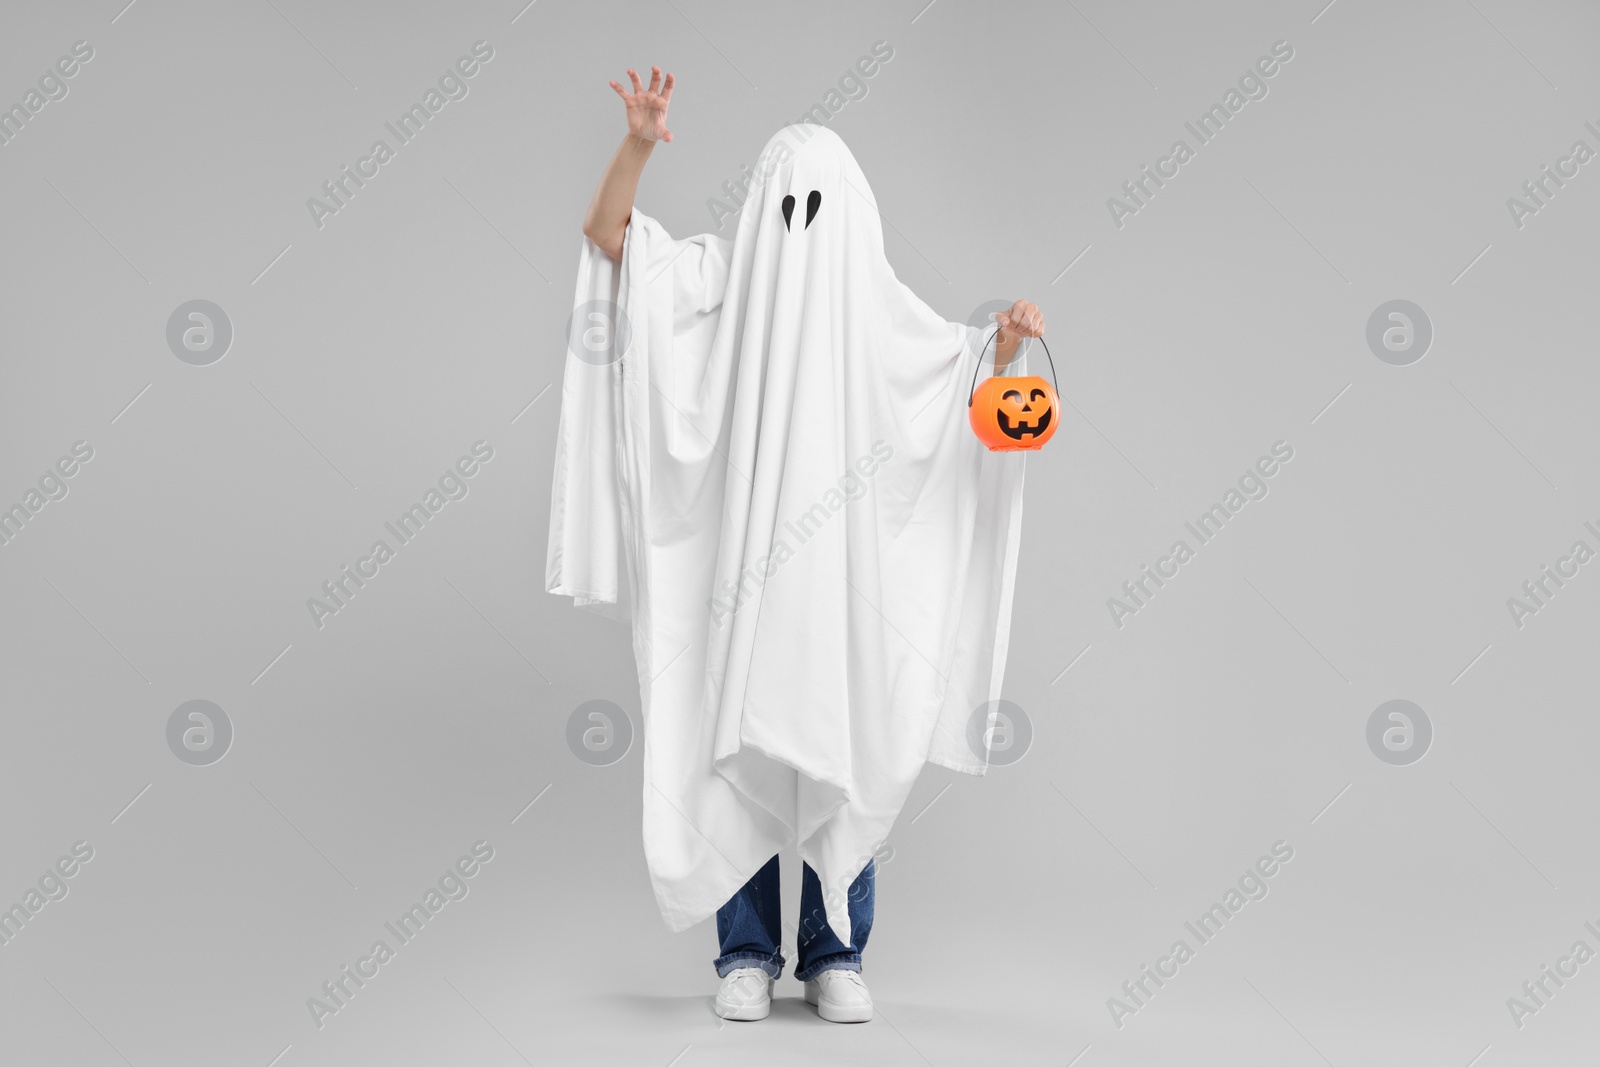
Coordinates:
(840, 996)
(746, 995)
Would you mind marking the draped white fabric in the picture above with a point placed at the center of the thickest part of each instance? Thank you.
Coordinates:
(776, 482)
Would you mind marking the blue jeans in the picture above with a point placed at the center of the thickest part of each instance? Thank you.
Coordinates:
(749, 926)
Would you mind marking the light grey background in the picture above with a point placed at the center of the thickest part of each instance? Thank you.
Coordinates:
(1228, 714)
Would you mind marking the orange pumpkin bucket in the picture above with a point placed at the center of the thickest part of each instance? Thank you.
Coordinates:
(1014, 414)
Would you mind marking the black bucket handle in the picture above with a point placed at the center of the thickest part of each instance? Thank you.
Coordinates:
(973, 388)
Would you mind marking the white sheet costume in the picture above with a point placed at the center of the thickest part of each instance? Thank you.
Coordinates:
(776, 475)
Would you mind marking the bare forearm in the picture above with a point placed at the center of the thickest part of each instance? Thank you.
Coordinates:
(607, 219)
(1005, 349)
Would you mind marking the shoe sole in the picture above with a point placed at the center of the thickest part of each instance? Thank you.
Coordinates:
(745, 1013)
(835, 1014)
(844, 1015)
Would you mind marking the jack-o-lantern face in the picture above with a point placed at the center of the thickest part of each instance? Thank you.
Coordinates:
(1014, 414)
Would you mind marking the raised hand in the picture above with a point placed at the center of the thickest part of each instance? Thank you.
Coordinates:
(647, 108)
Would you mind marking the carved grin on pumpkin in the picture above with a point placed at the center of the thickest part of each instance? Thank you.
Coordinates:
(1016, 429)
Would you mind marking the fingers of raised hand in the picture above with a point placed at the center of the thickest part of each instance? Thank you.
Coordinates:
(659, 91)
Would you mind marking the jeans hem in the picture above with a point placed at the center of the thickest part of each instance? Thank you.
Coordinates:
(844, 961)
(771, 963)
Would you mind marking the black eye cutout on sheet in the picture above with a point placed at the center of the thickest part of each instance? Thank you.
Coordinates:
(813, 202)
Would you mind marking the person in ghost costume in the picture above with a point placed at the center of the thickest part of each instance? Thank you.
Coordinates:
(763, 461)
